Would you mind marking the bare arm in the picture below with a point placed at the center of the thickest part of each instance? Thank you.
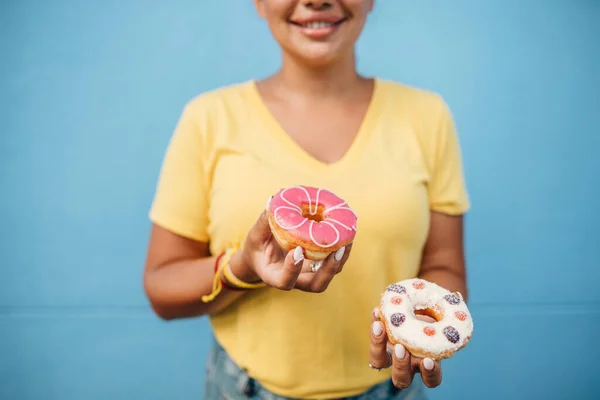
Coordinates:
(443, 256)
(178, 272)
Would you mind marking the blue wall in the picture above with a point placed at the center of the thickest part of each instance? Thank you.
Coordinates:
(90, 92)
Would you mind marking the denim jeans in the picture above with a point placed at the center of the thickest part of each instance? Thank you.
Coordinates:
(226, 381)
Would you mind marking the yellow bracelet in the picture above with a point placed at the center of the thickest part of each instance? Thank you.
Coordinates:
(235, 281)
(217, 285)
(225, 268)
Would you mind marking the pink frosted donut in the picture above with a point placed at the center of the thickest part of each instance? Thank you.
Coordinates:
(315, 219)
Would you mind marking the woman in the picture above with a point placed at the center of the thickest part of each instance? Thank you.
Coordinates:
(389, 150)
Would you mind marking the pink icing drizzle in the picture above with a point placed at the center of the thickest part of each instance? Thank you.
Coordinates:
(338, 224)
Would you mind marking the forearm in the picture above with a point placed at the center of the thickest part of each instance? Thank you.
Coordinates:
(175, 290)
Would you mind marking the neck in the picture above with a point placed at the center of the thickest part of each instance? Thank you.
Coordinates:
(336, 79)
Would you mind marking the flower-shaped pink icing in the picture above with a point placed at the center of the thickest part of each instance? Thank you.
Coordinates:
(298, 209)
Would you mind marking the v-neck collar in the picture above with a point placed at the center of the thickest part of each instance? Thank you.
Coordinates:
(357, 146)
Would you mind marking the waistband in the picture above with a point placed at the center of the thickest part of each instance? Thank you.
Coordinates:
(226, 380)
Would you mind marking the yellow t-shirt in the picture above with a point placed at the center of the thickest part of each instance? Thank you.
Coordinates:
(228, 154)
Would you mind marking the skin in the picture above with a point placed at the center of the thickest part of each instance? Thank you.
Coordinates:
(316, 92)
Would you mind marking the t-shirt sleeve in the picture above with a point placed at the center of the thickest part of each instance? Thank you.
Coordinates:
(447, 188)
(181, 198)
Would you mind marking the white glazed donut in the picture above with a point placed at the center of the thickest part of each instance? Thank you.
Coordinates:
(402, 301)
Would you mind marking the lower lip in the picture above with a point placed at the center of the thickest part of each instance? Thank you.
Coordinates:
(318, 33)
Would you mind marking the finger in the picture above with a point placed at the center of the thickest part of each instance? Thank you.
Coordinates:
(328, 271)
(318, 281)
(332, 266)
(431, 372)
(304, 279)
(339, 256)
(344, 256)
(375, 314)
(262, 231)
(307, 271)
(402, 372)
(284, 278)
(378, 355)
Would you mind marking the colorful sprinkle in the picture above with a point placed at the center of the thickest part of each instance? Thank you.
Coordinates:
(429, 331)
(396, 288)
(452, 299)
(451, 334)
(397, 319)
(461, 315)
(396, 300)
(418, 285)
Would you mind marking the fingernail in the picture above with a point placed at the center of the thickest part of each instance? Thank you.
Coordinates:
(268, 202)
(298, 255)
(340, 253)
(376, 312)
(400, 351)
(377, 328)
(428, 364)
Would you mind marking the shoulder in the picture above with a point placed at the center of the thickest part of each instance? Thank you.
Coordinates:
(211, 114)
(420, 102)
(424, 111)
(220, 98)
(427, 116)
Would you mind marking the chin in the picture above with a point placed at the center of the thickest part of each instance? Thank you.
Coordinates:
(318, 55)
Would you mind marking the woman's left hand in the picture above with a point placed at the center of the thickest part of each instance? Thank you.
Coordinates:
(383, 354)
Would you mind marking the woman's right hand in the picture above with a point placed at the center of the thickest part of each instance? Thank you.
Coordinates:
(263, 259)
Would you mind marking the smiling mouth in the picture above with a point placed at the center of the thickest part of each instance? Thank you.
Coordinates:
(318, 24)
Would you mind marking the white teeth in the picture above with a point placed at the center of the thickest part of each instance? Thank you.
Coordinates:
(318, 24)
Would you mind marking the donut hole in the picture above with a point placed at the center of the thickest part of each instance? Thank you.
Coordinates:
(317, 217)
(429, 314)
